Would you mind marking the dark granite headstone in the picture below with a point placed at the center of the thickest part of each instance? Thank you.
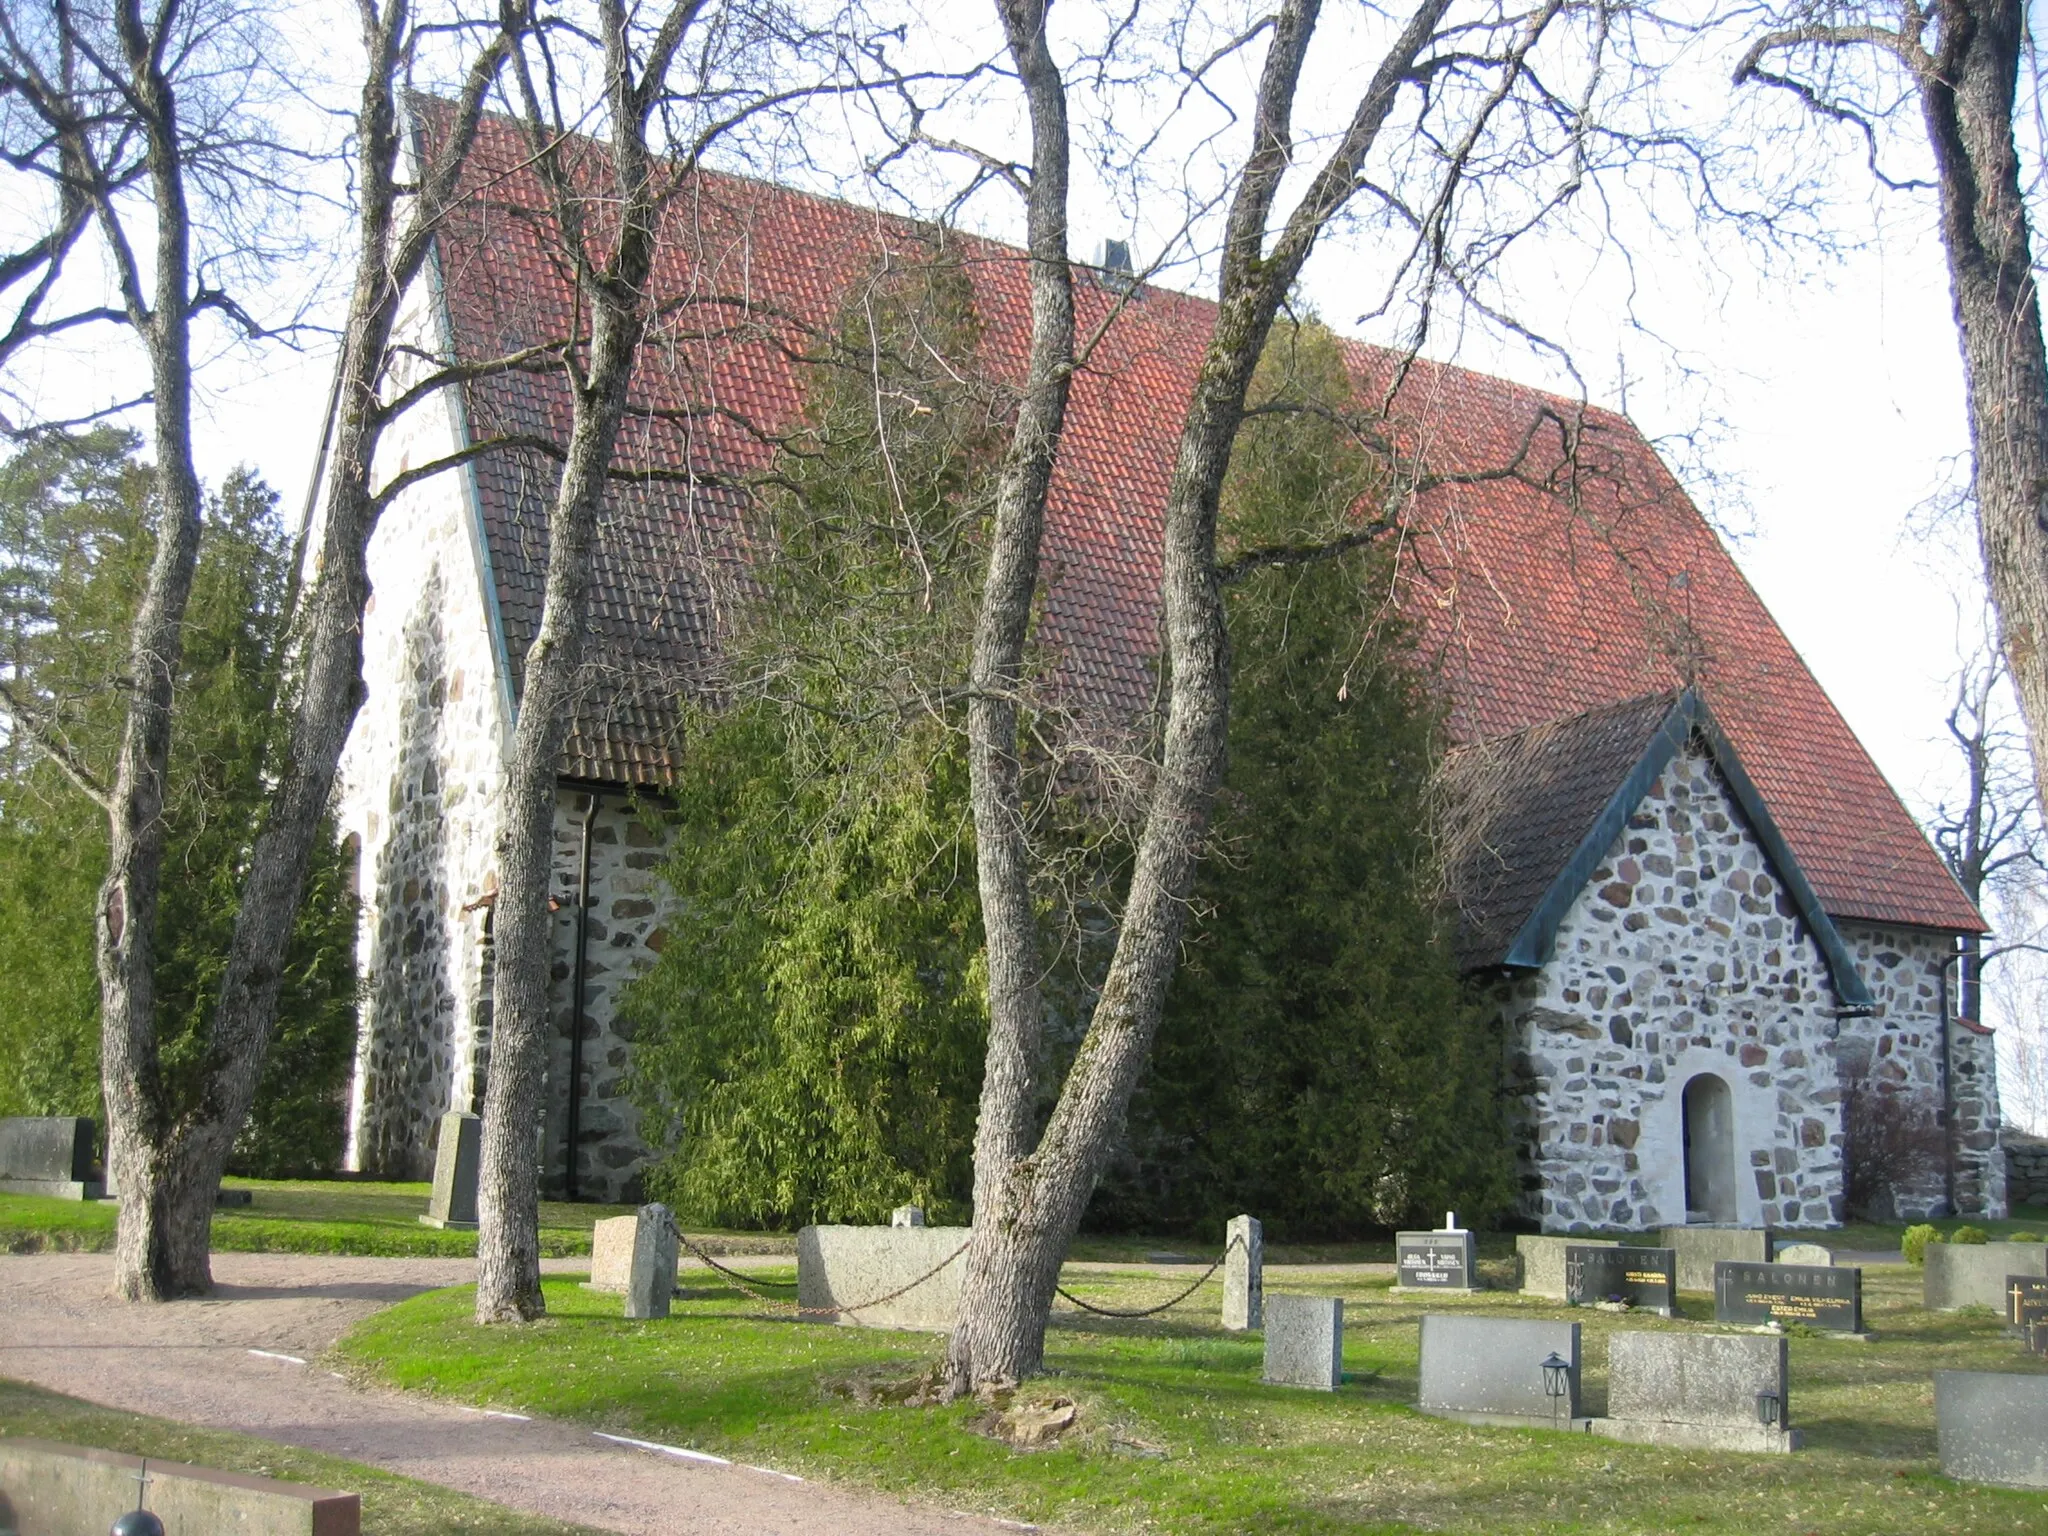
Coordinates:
(2037, 1338)
(1435, 1261)
(1645, 1278)
(2026, 1301)
(1825, 1297)
(47, 1155)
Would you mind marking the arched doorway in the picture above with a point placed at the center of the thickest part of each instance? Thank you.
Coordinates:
(1709, 1150)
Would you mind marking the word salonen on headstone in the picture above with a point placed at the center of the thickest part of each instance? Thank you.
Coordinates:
(1990, 1427)
(453, 1203)
(1826, 1297)
(48, 1155)
(1444, 1260)
(1304, 1342)
(1642, 1279)
(1500, 1370)
(1244, 1277)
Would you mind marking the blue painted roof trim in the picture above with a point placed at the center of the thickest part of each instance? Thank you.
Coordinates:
(1689, 715)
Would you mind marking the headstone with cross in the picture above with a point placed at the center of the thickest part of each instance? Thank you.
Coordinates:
(2026, 1302)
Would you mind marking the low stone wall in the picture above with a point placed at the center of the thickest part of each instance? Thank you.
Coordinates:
(2026, 1169)
(859, 1270)
(48, 1489)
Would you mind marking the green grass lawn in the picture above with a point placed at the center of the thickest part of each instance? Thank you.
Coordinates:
(392, 1505)
(1177, 1434)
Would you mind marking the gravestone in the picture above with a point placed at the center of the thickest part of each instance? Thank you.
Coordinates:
(453, 1203)
(1706, 1391)
(1639, 1278)
(1304, 1342)
(1244, 1278)
(48, 1155)
(1828, 1297)
(1444, 1260)
(1490, 1369)
(1700, 1248)
(907, 1216)
(1812, 1255)
(47, 1489)
(611, 1253)
(2026, 1302)
(1974, 1274)
(1539, 1261)
(1993, 1428)
(857, 1276)
(652, 1279)
(2037, 1338)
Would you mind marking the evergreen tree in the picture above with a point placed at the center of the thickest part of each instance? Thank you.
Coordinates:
(76, 527)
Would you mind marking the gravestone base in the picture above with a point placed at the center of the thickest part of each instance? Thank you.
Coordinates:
(1761, 1439)
(55, 1189)
(1578, 1426)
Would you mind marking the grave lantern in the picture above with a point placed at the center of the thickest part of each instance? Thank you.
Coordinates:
(1557, 1380)
(1768, 1407)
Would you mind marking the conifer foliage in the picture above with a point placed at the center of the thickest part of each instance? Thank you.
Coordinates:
(76, 538)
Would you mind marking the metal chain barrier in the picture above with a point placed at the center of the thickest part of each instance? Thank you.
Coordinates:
(1151, 1311)
(745, 1284)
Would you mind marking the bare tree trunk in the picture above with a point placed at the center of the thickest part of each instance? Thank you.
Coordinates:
(508, 1191)
(1003, 1134)
(155, 1255)
(193, 1154)
(1022, 1234)
(1967, 98)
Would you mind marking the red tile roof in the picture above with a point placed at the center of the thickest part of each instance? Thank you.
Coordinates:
(1601, 583)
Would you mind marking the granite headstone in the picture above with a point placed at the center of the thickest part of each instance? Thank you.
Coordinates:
(1993, 1428)
(1827, 1297)
(1304, 1341)
(453, 1203)
(2026, 1302)
(1974, 1274)
(652, 1280)
(907, 1216)
(1444, 1260)
(1244, 1274)
(1707, 1391)
(1539, 1261)
(1639, 1278)
(48, 1155)
(1491, 1368)
(1700, 1248)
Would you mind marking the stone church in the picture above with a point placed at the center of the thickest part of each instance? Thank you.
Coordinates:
(1721, 948)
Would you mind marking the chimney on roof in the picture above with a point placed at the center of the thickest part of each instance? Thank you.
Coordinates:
(1115, 265)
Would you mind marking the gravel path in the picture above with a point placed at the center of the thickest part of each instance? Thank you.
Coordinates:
(216, 1362)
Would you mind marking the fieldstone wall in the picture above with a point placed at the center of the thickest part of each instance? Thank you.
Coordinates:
(418, 790)
(1683, 956)
(623, 938)
(1891, 1078)
(2026, 1163)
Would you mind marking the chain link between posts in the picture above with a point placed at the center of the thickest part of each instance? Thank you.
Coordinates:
(748, 1284)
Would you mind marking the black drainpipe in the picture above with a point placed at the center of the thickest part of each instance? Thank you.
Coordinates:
(576, 1003)
(1948, 1098)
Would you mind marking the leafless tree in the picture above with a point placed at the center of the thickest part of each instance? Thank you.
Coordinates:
(1864, 64)
(104, 137)
(1031, 1186)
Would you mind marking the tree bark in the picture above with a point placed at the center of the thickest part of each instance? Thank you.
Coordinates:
(508, 1189)
(192, 1152)
(1967, 95)
(1021, 1235)
(155, 1254)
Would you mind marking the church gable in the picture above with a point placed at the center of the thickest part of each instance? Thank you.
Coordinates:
(1673, 1058)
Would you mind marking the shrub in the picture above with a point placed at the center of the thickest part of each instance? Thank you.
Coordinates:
(1914, 1243)
(1970, 1236)
(2025, 1237)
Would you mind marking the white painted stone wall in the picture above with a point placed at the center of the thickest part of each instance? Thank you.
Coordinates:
(419, 788)
(1682, 956)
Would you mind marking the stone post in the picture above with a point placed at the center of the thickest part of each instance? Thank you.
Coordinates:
(455, 1163)
(1244, 1282)
(653, 1278)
